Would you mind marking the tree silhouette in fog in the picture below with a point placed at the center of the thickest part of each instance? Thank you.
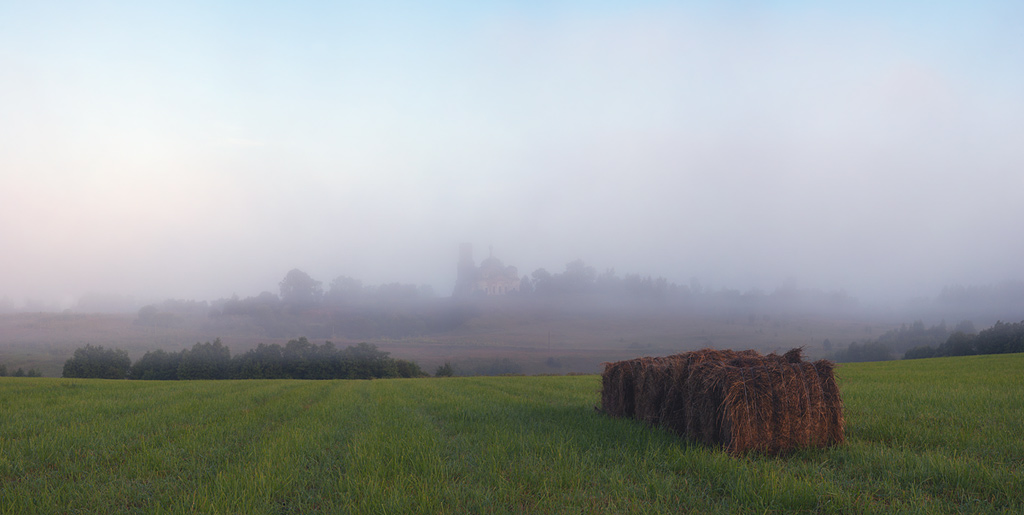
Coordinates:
(299, 290)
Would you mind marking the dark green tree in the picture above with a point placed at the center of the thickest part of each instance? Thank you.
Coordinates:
(1002, 338)
(300, 359)
(263, 362)
(210, 360)
(97, 362)
(958, 344)
(157, 365)
(367, 362)
(921, 352)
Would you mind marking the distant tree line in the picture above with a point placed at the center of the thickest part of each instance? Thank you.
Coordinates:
(867, 351)
(300, 292)
(298, 359)
(580, 279)
(1001, 338)
(983, 302)
(277, 318)
(346, 308)
(580, 283)
(907, 337)
(20, 372)
(917, 341)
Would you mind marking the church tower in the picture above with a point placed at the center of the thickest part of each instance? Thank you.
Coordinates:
(466, 272)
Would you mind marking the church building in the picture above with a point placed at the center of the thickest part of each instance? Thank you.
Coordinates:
(490, 278)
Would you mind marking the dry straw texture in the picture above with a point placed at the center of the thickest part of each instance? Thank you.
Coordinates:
(743, 401)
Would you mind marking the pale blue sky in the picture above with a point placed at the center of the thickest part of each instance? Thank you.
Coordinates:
(200, 149)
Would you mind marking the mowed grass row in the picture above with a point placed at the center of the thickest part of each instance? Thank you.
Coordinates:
(929, 436)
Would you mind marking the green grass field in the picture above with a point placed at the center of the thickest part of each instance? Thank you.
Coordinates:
(928, 436)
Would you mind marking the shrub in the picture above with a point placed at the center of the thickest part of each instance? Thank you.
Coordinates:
(409, 369)
(445, 370)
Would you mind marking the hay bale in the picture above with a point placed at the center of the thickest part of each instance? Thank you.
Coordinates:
(618, 385)
(610, 385)
(653, 381)
(674, 410)
(742, 401)
(794, 355)
(832, 413)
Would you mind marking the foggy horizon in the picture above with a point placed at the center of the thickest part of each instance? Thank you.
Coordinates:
(199, 152)
(128, 300)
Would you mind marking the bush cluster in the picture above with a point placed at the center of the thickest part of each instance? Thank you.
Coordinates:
(298, 359)
(20, 372)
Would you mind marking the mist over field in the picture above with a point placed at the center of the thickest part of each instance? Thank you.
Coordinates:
(197, 151)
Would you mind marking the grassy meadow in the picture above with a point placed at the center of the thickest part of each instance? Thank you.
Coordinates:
(928, 436)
